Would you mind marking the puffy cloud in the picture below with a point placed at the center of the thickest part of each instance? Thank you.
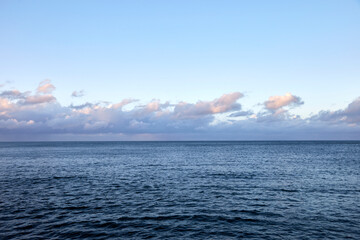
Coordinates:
(17, 98)
(276, 102)
(226, 103)
(78, 93)
(46, 115)
(5, 104)
(45, 87)
(352, 112)
(33, 115)
(350, 115)
(15, 124)
(13, 94)
(155, 107)
(123, 103)
(277, 108)
(38, 99)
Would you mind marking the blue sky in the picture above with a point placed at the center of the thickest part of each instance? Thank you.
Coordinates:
(184, 51)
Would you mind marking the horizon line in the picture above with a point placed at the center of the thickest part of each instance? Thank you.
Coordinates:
(45, 141)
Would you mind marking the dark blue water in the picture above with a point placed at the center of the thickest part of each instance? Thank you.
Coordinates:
(180, 190)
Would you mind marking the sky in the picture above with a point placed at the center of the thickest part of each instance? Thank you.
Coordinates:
(179, 70)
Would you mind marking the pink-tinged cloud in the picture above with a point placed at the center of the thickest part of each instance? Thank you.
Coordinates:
(24, 113)
(38, 99)
(276, 102)
(226, 103)
(17, 98)
(45, 87)
(153, 106)
(5, 104)
(123, 103)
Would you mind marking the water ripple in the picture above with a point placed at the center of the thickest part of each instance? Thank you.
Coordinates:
(180, 190)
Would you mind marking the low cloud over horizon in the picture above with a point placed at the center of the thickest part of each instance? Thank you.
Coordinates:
(37, 115)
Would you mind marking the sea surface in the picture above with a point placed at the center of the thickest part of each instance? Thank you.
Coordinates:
(180, 190)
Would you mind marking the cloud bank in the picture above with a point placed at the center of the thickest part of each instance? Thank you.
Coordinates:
(38, 115)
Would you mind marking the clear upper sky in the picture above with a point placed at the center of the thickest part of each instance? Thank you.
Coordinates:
(185, 50)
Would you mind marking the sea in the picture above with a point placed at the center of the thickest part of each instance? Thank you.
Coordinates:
(180, 190)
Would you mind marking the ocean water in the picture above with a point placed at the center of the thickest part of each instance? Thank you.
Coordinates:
(180, 190)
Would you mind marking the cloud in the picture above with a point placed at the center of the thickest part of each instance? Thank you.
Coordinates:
(78, 94)
(226, 103)
(5, 104)
(241, 114)
(14, 94)
(155, 117)
(350, 115)
(81, 106)
(276, 102)
(352, 112)
(15, 98)
(4, 84)
(277, 108)
(45, 87)
(24, 115)
(39, 99)
(123, 103)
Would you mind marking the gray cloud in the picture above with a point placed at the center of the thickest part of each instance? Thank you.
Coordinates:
(25, 115)
(78, 93)
(81, 105)
(14, 94)
(241, 113)
(350, 115)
